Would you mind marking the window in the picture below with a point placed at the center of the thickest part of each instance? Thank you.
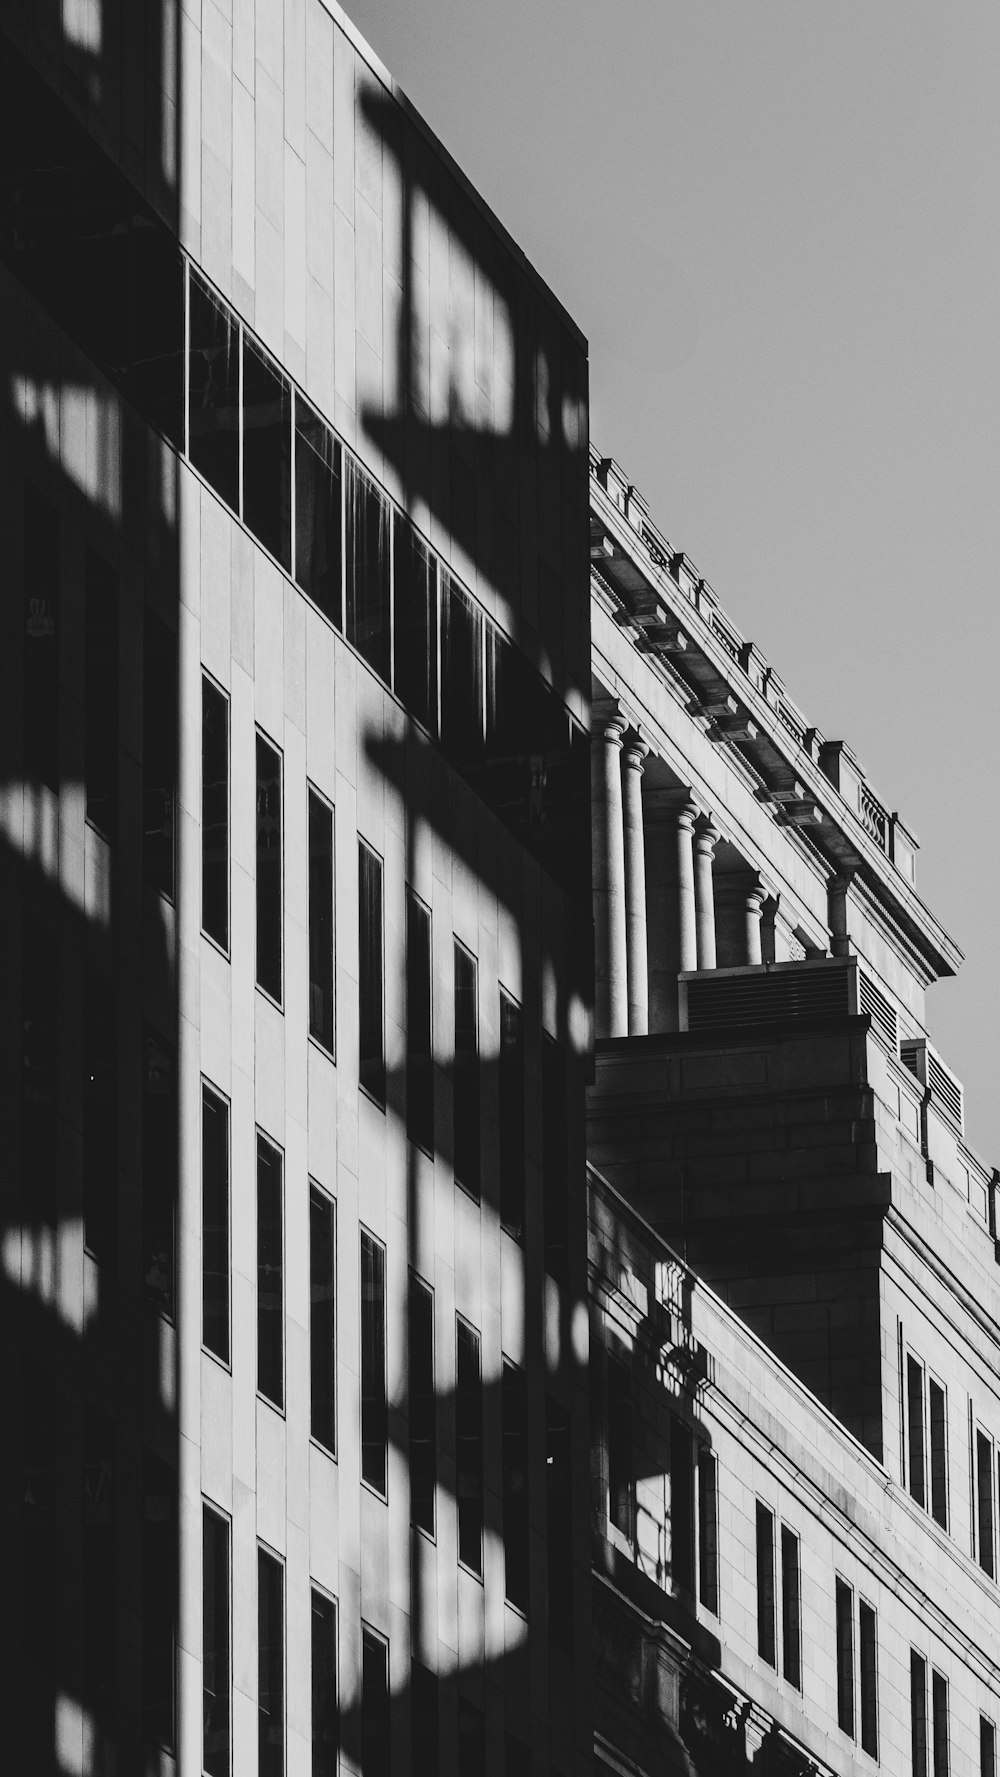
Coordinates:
(367, 578)
(559, 1522)
(868, 1639)
(159, 1169)
(926, 1422)
(40, 703)
(987, 1748)
(419, 1062)
(918, 1713)
(270, 1665)
(469, 1434)
(375, 1746)
(325, 1706)
(270, 1274)
(416, 625)
(317, 512)
(98, 1598)
(984, 1503)
(555, 1160)
(323, 1318)
(213, 391)
(100, 1117)
(268, 868)
(845, 1657)
(471, 1739)
(938, 1418)
(462, 712)
(215, 813)
(708, 1532)
(915, 1426)
(765, 1584)
(466, 1071)
(267, 452)
(511, 1113)
(514, 1433)
(424, 1719)
(159, 1587)
(620, 1457)
(422, 1403)
(100, 742)
(321, 921)
(939, 1720)
(374, 1422)
(159, 751)
(215, 1223)
(791, 1645)
(371, 1034)
(682, 1518)
(39, 1047)
(215, 1644)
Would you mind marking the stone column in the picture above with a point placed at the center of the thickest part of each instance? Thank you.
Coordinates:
(836, 889)
(611, 961)
(706, 837)
(755, 898)
(633, 753)
(686, 921)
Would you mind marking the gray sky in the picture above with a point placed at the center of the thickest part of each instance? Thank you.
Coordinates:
(777, 223)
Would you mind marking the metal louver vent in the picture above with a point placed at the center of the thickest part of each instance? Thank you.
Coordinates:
(883, 1018)
(786, 996)
(945, 1090)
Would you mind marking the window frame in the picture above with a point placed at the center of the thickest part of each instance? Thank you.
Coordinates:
(265, 1140)
(329, 1201)
(314, 795)
(209, 1088)
(276, 1000)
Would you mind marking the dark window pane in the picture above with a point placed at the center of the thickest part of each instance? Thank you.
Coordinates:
(159, 1169)
(845, 1658)
(708, 1532)
(560, 1522)
(790, 1629)
(423, 1412)
(159, 752)
(620, 1457)
(270, 1666)
(213, 392)
(939, 1705)
(682, 1504)
(317, 512)
(511, 1111)
(425, 1751)
(466, 1071)
(461, 677)
(323, 1316)
(267, 453)
(555, 1160)
(41, 1485)
(100, 744)
(984, 1502)
(416, 626)
(915, 1424)
(367, 579)
(40, 707)
(471, 1739)
(868, 1638)
(270, 1274)
(320, 921)
(215, 1644)
(156, 312)
(100, 1117)
(419, 1063)
(375, 1743)
(371, 1035)
(159, 1586)
(469, 1432)
(325, 1707)
(374, 1421)
(939, 1454)
(918, 1713)
(39, 1026)
(987, 1748)
(215, 1223)
(99, 1595)
(268, 868)
(765, 1584)
(215, 812)
(514, 1405)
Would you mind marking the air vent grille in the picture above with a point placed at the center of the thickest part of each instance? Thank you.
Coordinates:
(945, 1088)
(784, 997)
(883, 1018)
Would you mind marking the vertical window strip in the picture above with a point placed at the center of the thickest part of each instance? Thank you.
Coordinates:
(100, 747)
(466, 1096)
(868, 1638)
(765, 1584)
(325, 1697)
(374, 1415)
(555, 1160)
(270, 1274)
(939, 1720)
(984, 1502)
(216, 1745)
(40, 633)
(845, 1657)
(419, 1056)
(269, 868)
(621, 1461)
(708, 1531)
(938, 1417)
(323, 1318)
(215, 812)
(100, 1117)
(558, 1476)
(987, 1747)
(422, 1405)
(915, 1426)
(159, 751)
(469, 1447)
(215, 1222)
(159, 1593)
(375, 1737)
(321, 932)
(918, 1713)
(159, 1168)
(511, 1113)
(270, 1665)
(424, 1721)
(682, 1518)
(371, 1019)
(791, 1633)
(514, 1432)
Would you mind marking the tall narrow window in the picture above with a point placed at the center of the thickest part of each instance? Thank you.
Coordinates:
(845, 1657)
(159, 1168)
(40, 703)
(939, 1717)
(791, 1635)
(511, 1110)
(416, 626)
(267, 453)
(375, 1743)
(422, 1404)
(987, 1748)
(621, 1473)
(371, 1031)
(469, 1433)
(98, 1563)
(270, 1274)
(939, 1452)
(765, 1584)
(215, 1223)
(555, 1160)
(325, 1705)
(514, 1431)
(317, 512)
(708, 1532)
(214, 392)
(558, 1468)
(39, 1033)
(100, 1117)
(868, 1639)
(270, 1665)
(425, 1748)
(419, 1063)
(471, 1739)
(462, 681)
(374, 1422)
(367, 579)
(682, 1504)
(268, 868)
(984, 1502)
(159, 1584)
(100, 744)
(918, 1713)
(215, 1645)
(321, 921)
(466, 1074)
(323, 1318)
(915, 1426)
(215, 812)
(159, 751)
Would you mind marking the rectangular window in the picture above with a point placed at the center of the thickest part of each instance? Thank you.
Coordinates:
(40, 704)
(100, 742)
(987, 1748)
(425, 1751)
(267, 453)
(469, 1448)
(708, 1532)
(318, 521)
(555, 1160)
(325, 1705)
(215, 1223)
(845, 1658)
(511, 1113)
(791, 1644)
(159, 1585)
(367, 579)
(215, 1644)
(765, 1584)
(682, 1504)
(375, 1744)
(98, 1562)
(462, 682)
(419, 1062)
(868, 1638)
(39, 1046)
(323, 1318)
(100, 1117)
(321, 921)
(371, 1032)
(416, 625)
(466, 1071)
(270, 1275)
(559, 1521)
(159, 751)
(156, 312)
(938, 1417)
(918, 1713)
(268, 868)
(270, 1666)
(159, 1169)
(422, 1403)
(939, 1713)
(374, 1420)
(984, 1502)
(915, 1427)
(621, 1474)
(514, 1432)
(214, 391)
(215, 812)
(471, 1739)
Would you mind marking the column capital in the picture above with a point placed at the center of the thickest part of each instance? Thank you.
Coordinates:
(670, 806)
(706, 834)
(635, 750)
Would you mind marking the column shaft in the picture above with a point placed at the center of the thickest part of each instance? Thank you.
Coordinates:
(754, 904)
(611, 961)
(633, 754)
(686, 926)
(704, 848)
